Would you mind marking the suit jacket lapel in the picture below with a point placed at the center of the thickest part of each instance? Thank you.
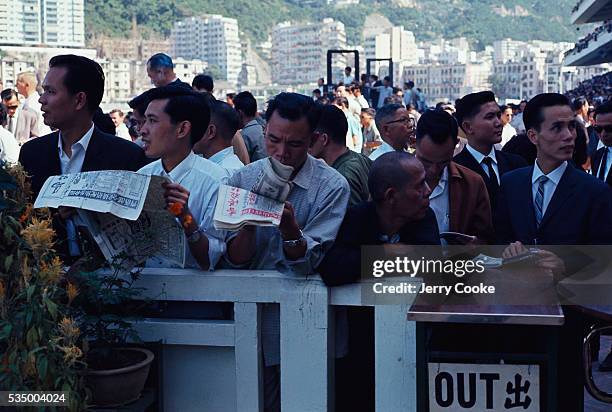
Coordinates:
(54, 166)
(564, 189)
(471, 163)
(597, 156)
(454, 200)
(502, 164)
(93, 156)
(526, 214)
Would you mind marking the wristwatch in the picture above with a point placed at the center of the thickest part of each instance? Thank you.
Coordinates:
(195, 236)
(295, 242)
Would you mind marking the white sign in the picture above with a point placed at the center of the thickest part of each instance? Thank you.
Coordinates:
(478, 387)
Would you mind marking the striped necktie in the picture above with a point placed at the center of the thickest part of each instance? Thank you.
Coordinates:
(539, 199)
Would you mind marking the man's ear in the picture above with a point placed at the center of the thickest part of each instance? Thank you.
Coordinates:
(183, 129)
(466, 125)
(389, 195)
(80, 100)
(532, 135)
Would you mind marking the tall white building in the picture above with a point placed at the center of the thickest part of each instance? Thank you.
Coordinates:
(299, 51)
(42, 22)
(212, 38)
(394, 43)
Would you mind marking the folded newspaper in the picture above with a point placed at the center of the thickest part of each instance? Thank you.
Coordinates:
(238, 207)
(124, 212)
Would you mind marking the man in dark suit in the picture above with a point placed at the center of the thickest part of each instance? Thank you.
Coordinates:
(480, 118)
(160, 70)
(73, 89)
(602, 158)
(553, 203)
(459, 196)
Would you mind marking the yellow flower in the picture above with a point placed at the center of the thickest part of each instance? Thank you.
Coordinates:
(69, 329)
(72, 291)
(51, 272)
(71, 353)
(39, 235)
(26, 214)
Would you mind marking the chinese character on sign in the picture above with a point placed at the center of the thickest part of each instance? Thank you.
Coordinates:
(517, 390)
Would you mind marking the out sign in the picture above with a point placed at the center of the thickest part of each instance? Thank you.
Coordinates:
(477, 387)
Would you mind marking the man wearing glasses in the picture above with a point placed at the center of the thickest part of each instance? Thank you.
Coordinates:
(602, 158)
(396, 127)
(22, 123)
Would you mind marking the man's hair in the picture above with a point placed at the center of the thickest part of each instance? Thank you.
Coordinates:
(438, 125)
(3, 115)
(141, 102)
(385, 112)
(504, 107)
(387, 78)
(316, 91)
(349, 68)
(230, 95)
(184, 105)
(103, 121)
(160, 61)
(246, 102)
(393, 99)
(578, 103)
(604, 108)
(410, 84)
(341, 101)
(293, 107)
(388, 171)
(533, 116)
(373, 76)
(30, 77)
(82, 75)
(117, 111)
(333, 122)
(369, 111)
(8, 94)
(469, 105)
(203, 81)
(225, 118)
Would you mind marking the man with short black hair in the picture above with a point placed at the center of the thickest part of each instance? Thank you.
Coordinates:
(385, 90)
(216, 144)
(9, 148)
(348, 77)
(508, 132)
(354, 137)
(479, 116)
(73, 89)
(22, 123)
(176, 120)
(203, 83)
(118, 119)
(459, 196)
(329, 144)
(396, 128)
(371, 135)
(252, 132)
(602, 158)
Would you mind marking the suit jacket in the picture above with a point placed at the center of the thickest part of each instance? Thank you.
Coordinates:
(596, 161)
(579, 213)
(470, 210)
(505, 163)
(342, 264)
(40, 157)
(27, 125)
(522, 146)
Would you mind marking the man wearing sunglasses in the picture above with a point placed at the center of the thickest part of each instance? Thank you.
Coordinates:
(22, 123)
(602, 158)
(396, 127)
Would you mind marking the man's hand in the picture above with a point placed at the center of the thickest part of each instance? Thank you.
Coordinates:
(66, 212)
(288, 226)
(177, 198)
(514, 249)
(550, 262)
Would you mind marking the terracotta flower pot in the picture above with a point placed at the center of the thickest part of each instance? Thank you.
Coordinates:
(116, 387)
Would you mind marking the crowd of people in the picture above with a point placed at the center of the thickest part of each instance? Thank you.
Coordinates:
(596, 90)
(371, 165)
(583, 43)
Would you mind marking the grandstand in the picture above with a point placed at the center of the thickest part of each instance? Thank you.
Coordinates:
(596, 46)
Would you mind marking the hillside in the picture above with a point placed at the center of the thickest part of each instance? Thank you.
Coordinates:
(481, 21)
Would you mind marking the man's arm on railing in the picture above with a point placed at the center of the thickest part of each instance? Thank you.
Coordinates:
(241, 248)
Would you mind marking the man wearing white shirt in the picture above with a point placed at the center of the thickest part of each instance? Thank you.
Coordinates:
(176, 119)
(9, 148)
(396, 128)
(26, 86)
(602, 158)
(348, 77)
(121, 129)
(384, 91)
(508, 132)
(216, 145)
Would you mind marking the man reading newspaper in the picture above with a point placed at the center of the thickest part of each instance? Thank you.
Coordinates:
(316, 198)
(176, 119)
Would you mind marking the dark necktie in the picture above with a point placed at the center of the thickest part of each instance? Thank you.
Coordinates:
(492, 175)
(603, 165)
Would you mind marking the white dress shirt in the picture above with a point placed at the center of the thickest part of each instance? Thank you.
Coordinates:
(549, 187)
(439, 202)
(202, 178)
(9, 148)
(508, 132)
(227, 159)
(73, 164)
(383, 93)
(480, 157)
(381, 150)
(608, 164)
(123, 132)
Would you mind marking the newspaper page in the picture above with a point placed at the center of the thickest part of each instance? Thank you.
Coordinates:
(273, 181)
(124, 211)
(237, 207)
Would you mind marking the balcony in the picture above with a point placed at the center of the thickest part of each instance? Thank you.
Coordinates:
(216, 364)
(595, 48)
(591, 11)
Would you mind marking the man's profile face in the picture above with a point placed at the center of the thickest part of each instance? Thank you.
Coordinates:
(506, 116)
(347, 71)
(157, 76)
(288, 140)
(21, 86)
(399, 129)
(555, 139)
(57, 103)
(116, 118)
(158, 132)
(413, 198)
(365, 119)
(486, 125)
(12, 105)
(434, 157)
(341, 91)
(604, 120)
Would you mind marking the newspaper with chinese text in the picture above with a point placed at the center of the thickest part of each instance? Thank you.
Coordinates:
(238, 207)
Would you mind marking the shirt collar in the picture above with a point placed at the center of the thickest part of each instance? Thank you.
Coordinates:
(479, 156)
(251, 123)
(439, 189)
(304, 176)
(555, 175)
(222, 154)
(83, 141)
(182, 169)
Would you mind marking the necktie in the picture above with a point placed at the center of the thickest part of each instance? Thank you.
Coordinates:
(492, 175)
(539, 199)
(11, 125)
(603, 165)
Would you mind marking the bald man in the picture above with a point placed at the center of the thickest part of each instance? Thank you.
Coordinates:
(26, 86)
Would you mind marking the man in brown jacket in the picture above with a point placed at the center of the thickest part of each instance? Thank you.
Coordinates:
(459, 196)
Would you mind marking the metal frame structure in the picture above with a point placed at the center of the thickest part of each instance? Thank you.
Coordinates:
(330, 54)
(369, 62)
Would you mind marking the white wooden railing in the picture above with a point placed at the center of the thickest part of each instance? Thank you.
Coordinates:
(307, 340)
